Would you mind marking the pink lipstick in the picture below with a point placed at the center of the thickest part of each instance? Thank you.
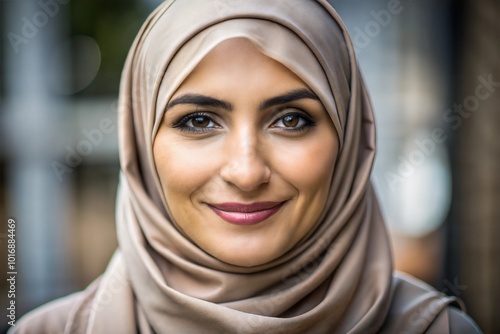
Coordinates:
(246, 214)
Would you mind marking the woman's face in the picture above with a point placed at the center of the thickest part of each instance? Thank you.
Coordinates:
(245, 155)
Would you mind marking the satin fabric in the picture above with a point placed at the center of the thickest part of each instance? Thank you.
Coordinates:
(339, 279)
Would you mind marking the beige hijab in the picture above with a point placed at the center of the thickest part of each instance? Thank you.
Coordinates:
(339, 279)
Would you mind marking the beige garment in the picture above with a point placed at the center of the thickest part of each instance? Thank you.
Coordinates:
(70, 314)
(339, 279)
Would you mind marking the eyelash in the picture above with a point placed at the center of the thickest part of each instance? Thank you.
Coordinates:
(182, 123)
(308, 122)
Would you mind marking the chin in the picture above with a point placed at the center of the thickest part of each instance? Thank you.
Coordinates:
(246, 260)
(244, 256)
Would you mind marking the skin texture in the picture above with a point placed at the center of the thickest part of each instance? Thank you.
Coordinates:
(245, 152)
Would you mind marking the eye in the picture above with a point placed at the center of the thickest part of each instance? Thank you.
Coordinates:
(198, 122)
(293, 122)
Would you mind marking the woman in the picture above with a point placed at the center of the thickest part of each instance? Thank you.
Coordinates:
(245, 204)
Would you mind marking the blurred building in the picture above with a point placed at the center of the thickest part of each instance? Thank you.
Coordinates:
(433, 71)
(473, 241)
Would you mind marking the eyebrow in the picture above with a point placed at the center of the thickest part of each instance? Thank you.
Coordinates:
(208, 101)
(291, 96)
(200, 100)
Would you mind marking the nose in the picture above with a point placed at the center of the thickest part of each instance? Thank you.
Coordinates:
(245, 166)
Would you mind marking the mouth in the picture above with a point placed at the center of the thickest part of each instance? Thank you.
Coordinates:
(246, 214)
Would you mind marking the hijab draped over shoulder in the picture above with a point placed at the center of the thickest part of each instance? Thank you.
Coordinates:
(339, 279)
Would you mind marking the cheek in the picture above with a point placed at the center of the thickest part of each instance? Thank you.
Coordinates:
(182, 168)
(308, 165)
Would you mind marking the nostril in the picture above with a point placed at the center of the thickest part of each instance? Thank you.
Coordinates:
(246, 174)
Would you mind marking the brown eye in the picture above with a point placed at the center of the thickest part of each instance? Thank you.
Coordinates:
(291, 121)
(201, 121)
(197, 123)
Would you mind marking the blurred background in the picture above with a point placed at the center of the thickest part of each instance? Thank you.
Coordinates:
(433, 71)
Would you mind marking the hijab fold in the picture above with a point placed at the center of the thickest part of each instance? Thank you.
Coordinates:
(339, 279)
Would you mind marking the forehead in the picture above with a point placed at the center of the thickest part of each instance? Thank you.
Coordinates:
(237, 64)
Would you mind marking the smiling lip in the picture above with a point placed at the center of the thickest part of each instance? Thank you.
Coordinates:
(246, 214)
